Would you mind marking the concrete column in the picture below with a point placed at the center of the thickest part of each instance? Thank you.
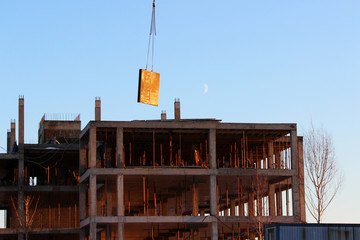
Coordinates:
(120, 147)
(259, 206)
(301, 179)
(108, 198)
(232, 207)
(214, 231)
(195, 199)
(108, 232)
(271, 200)
(279, 202)
(82, 202)
(212, 148)
(97, 109)
(82, 234)
(296, 197)
(120, 195)
(92, 147)
(21, 120)
(277, 159)
(241, 208)
(271, 155)
(293, 145)
(213, 196)
(21, 184)
(92, 231)
(251, 208)
(295, 179)
(92, 193)
(120, 231)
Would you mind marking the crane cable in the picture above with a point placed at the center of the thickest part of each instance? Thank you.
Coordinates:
(151, 38)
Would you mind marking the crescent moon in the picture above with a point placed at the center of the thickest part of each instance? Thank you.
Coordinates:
(206, 88)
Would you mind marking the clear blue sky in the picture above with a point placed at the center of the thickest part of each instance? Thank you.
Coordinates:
(263, 61)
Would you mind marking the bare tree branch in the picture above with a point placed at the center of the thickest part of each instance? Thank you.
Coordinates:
(323, 178)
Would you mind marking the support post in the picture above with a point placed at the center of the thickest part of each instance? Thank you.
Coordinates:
(120, 231)
(295, 179)
(213, 196)
(212, 148)
(119, 147)
(92, 193)
(92, 230)
(270, 155)
(214, 231)
(92, 146)
(120, 195)
(301, 179)
(279, 201)
(271, 200)
(232, 207)
(251, 208)
(82, 202)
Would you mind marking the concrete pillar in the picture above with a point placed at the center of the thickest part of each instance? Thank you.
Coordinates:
(271, 155)
(119, 147)
(21, 187)
(214, 231)
(108, 198)
(277, 159)
(21, 120)
(82, 234)
(82, 202)
(120, 231)
(177, 109)
(195, 200)
(295, 179)
(108, 232)
(301, 179)
(241, 209)
(232, 207)
(212, 148)
(271, 200)
(213, 196)
(251, 208)
(92, 231)
(279, 201)
(259, 206)
(92, 147)
(120, 195)
(293, 145)
(92, 193)
(97, 109)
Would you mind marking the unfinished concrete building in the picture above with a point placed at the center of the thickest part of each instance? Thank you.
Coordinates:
(159, 179)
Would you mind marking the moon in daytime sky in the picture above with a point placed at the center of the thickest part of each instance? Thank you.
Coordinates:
(206, 88)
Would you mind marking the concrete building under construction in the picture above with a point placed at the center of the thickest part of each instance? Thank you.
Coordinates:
(156, 179)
